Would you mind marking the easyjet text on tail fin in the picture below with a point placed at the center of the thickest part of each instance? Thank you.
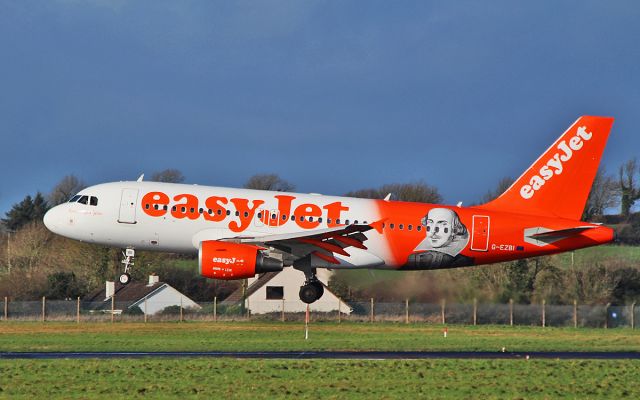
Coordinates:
(559, 181)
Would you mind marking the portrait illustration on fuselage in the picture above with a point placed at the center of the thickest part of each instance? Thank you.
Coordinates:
(446, 236)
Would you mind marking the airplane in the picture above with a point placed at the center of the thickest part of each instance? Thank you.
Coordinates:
(239, 233)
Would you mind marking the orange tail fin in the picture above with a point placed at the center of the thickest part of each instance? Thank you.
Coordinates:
(558, 183)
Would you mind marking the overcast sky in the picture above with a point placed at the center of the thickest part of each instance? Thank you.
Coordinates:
(331, 95)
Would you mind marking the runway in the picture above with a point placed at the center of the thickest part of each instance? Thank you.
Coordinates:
(329, 355)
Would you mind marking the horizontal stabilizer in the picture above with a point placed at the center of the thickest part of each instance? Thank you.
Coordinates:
(543, 236)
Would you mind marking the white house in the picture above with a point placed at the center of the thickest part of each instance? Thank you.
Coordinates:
(272, 291)
(151, 297)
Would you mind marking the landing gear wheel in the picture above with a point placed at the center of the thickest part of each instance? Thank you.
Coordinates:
(125, 278)
(320, 288)
(309, 293)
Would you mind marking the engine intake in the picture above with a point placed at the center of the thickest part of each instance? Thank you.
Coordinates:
(226, 260)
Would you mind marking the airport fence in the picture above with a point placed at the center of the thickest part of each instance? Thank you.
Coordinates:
(371, 311)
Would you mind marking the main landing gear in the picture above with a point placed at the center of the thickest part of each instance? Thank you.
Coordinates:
(128, 254)
(312, 290)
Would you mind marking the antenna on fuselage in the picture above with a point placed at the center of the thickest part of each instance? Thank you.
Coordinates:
(140, 178)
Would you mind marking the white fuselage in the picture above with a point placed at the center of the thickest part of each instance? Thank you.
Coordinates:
(123, 217)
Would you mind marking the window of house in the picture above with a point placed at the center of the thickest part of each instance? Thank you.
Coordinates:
(275, 292)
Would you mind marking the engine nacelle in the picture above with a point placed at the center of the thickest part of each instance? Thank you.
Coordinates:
(226, 260)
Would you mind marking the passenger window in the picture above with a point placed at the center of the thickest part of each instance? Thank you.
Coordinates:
(83, 200)
(166, 207)
(419, 228)
(355, 222)
(410, 227)
(228, 212)
(146, 206)
(338, 221)
(201, 211)
(284, 217)
(219, 211)
(155, 206)
(293, 217)
(174, 208)
(184, 209)
(246, 214)
(401, 226)
(259, 215)
(346, 222)
(310, 219)
(391, 226)
(237, 213)
(320, 219)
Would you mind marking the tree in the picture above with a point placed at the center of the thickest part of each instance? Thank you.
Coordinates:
(504, 184)
(170, 175)
(629, 193)
(63, 286)
(602, 195)
(67, 187)
(418, 192)
(27, 211)
(269, 182)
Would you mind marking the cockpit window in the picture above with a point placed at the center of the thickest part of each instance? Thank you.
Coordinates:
(83, 200)
(93, 201)
(74, 198)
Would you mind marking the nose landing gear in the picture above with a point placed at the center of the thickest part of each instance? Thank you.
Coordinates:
(128, 254)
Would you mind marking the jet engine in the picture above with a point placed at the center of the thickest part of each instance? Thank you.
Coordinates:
(226, 260)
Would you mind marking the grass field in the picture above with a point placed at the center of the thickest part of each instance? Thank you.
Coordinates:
(265, 379)
(319, 379)
(278, 336)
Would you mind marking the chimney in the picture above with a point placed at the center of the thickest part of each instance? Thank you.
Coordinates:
(110, 289)
(153, 279)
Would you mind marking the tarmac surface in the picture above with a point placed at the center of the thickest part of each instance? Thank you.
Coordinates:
(331, 355)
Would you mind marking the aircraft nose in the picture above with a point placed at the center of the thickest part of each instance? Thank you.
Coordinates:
(51, 219)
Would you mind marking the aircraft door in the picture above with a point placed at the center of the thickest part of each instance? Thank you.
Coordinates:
(480, 233)
(128, 202)
(274, 218)
(260, 218)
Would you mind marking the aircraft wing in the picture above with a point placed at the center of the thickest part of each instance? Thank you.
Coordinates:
(321, 243)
